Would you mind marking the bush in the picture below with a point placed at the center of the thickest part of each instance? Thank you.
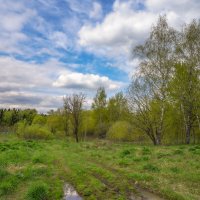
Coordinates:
(35, 132)
(39, 120)
(120, 131)
(38, 191)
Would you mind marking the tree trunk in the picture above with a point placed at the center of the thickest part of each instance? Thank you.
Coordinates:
(188, 132)
(76, 134)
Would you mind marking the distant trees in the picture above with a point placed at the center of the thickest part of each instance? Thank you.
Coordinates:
(9, 117)
(73, 106)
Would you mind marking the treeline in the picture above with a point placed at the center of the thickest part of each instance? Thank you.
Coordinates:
(9, 117)
(161, 104)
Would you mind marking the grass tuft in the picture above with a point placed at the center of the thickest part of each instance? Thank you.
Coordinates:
(38, 191)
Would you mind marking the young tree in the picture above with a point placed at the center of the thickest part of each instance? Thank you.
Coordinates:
(117, 108)
(99, 108)
(73, 106)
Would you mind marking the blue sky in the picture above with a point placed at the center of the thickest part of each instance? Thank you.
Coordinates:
(50, 48)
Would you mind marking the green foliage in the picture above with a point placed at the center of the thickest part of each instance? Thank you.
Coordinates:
(34, 132)
(120, 131)
(118, 108)
(38, 191)
(39, 120)
(88, 124)
(100, 113)
(20, 128)
(56, 123)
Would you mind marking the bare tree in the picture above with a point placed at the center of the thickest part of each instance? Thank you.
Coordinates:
(73, 106)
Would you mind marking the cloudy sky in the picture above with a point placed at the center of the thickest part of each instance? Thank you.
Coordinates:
(49, 48)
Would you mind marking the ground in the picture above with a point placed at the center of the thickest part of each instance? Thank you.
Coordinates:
(97, 169)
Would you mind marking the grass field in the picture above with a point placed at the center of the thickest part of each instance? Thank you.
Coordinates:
(98, 170)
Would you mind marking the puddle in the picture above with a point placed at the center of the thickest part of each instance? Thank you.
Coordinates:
(70, 193)
(148, 195)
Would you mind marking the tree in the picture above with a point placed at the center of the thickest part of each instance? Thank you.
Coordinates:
(117, 108)
(139, 98)
(99, 107)
(185, 86)
(1, 116)
(39, 119)
(73, 106)
(157, 56)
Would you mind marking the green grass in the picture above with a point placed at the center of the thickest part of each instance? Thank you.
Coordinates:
(98, 170)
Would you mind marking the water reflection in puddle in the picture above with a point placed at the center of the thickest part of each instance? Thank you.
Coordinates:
(70, 193)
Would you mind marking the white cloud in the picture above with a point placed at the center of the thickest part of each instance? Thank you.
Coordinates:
(13, 15)
(96, 11)
(85, 81)
(119, 30)
(126, 26)
(60, 39)
(28, 84)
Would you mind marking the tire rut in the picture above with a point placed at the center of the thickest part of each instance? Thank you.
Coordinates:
(138, 193)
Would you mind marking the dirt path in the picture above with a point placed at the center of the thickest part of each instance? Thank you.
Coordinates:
(138, 193)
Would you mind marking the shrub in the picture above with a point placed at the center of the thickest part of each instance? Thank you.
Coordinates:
(120, 131)
(39, 120)
(38, 191)
(36, 132)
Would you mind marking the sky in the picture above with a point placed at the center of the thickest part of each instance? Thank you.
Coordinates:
(53, 48)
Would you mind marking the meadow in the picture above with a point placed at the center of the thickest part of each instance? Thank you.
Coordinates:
(99, 169)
